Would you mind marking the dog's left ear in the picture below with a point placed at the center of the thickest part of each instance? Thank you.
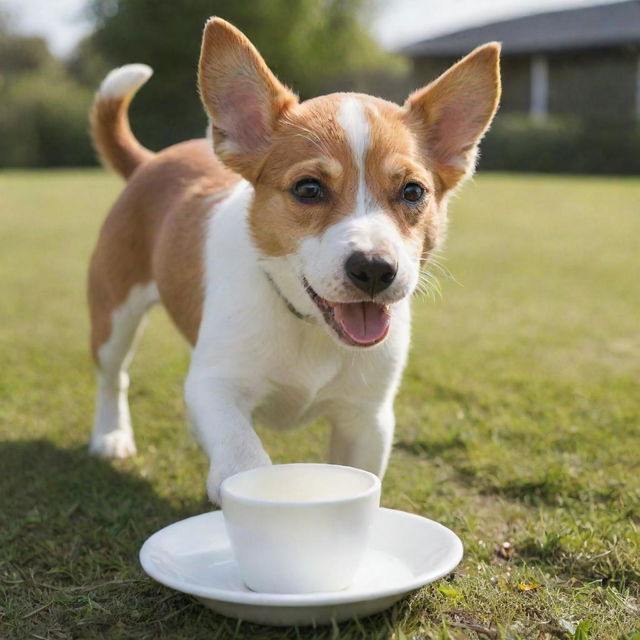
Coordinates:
(241, 95)
(451, 114)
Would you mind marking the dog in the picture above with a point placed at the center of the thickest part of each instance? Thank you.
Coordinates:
(285, 247)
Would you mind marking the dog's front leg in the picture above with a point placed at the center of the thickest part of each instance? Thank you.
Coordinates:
(220, 416)
(362, 436)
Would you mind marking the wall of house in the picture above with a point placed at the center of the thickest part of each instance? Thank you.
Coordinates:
(516, 80)
(593, 85)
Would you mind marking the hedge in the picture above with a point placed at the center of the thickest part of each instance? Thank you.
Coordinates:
(562, 145)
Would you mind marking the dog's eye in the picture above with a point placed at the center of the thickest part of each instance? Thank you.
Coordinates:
(308, 190)
(412, 192)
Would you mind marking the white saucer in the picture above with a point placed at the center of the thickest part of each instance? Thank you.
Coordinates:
(405, 553)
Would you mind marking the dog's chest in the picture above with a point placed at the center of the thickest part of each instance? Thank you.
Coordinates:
(298, 385)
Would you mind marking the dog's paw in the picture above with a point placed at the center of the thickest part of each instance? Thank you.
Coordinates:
(117, 445)
(218, 473)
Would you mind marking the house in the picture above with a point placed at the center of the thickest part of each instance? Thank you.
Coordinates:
(582, 62)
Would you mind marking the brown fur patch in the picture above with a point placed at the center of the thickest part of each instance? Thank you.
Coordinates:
(242, 96)
(308, 138)
(155, 232)
(309, 142)
(112, 137)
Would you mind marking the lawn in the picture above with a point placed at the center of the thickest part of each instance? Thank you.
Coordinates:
(518, 426)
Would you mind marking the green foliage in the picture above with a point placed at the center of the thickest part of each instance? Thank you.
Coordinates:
(562, 145)
(523, 380)
(305, 43)
(44, 104)
(20, 54)
(582, 630)
(43, 121)
(43, 111)
(87, 65)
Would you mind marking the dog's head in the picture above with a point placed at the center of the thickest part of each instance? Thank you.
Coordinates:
(350, 190)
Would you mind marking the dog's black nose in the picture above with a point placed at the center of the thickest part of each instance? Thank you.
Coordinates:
(371, 273)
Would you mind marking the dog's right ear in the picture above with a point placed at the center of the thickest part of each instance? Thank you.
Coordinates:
(241, 95)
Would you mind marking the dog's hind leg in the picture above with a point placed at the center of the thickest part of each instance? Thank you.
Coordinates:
(115, 330)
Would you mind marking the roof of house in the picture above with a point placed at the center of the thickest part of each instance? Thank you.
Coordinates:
(591, 27)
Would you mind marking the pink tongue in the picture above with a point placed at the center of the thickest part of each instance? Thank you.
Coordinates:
(363, 322)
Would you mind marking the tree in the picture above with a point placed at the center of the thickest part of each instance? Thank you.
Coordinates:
(305, 42)
(21, 54)
(43, 112)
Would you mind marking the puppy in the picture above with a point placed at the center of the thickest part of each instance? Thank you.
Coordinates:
(287, 258)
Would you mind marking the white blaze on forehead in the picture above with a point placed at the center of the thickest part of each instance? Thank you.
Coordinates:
(368, 228)
(353, 119)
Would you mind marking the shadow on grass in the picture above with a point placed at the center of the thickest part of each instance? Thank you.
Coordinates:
(433, 390)
(432, 448)
(583, 566)
(553, 487)
(70, 530)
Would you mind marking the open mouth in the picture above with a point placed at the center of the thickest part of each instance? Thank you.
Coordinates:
(358, 324)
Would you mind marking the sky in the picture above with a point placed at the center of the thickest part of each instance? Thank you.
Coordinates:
(398, 22)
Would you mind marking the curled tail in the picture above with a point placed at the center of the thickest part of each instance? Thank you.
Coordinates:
(116, 145)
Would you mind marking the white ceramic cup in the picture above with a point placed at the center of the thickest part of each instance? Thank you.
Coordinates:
(299, 528)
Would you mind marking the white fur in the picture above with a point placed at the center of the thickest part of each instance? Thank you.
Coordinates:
(112, 434)
(353, 119)
(254, 358)
(324, 256)
(125, 80)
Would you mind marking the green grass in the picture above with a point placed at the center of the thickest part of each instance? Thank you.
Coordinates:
(518, 422)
